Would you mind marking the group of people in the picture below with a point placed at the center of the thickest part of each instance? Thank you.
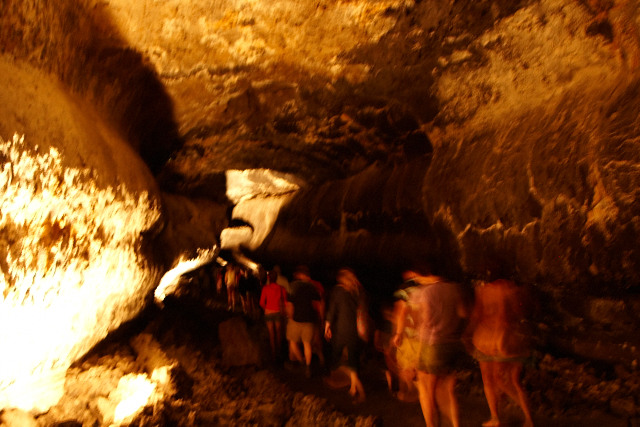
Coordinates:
(309, 318)
(242, 287)
(433, 328)
(436, 328)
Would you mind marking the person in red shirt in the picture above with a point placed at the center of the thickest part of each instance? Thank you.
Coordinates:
(272, 301)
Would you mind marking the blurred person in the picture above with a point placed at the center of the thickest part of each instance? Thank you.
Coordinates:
(438, 316)
(243, 287)
(341, 328)
(302, 310)
(231, 282)
(282, 279)
(501, 344)
(219, 275)
(248, 287)
(272, 300)
(408, 350)
(317, 343)
(382, 338)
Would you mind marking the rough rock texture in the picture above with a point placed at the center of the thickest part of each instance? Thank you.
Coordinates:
(466, 132)
(180, 352)
(76, 201)
(197, 388)
(237, 347)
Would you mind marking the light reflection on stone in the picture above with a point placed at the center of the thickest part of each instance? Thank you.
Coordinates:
(259, 194)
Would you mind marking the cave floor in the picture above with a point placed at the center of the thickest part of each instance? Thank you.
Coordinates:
(389, 411)
(186, 330)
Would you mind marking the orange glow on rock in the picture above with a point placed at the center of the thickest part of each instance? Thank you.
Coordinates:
(71, 268)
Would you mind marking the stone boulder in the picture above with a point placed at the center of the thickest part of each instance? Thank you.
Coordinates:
(78, 208)
(238, 347)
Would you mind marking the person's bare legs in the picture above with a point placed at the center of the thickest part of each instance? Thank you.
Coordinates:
(488, 371)
(233, 295)
(406, 386)
(516, 391)
(278, 334)
(316, 345)
(356, 390)
(308, 352)
(243, 303)
(446, 398)
(230, 300)
(272, 337)
(426, 390)
(389, 377)
(294, 352)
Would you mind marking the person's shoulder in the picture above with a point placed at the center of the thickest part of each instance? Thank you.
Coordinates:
(298, 284)
(308, 283)
(339, 289)
(293, 285)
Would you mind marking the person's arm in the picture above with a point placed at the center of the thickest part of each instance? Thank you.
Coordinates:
(283, 299)
(263, 298)
(401, 315)
(462, 309)
(288, 306)
(319, 305)
(327, 330)
(329, 317)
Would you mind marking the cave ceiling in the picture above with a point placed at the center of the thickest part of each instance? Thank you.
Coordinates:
(457, 130)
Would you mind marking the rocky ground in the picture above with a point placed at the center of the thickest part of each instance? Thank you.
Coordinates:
(208, 384)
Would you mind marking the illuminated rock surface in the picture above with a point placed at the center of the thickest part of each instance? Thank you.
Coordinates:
(462, 131)
(75, 203)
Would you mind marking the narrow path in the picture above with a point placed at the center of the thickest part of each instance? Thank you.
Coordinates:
(392, 412)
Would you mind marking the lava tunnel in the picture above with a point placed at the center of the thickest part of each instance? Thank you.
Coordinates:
(148, 146)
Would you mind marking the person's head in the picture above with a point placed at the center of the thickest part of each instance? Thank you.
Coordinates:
(348, 278)
(409, 275)
(272, 276)
(301, 273)
(416, 270)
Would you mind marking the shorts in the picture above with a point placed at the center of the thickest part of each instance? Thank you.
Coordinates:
(272, 317)
(408, 354)
(440, 358)
(297, 331)
(351, 344)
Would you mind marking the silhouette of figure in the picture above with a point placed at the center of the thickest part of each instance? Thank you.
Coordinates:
(500, 344)
(438, 318)
(341, 327)
(303, 315)
(231, 278)
(408, 350)
(272, 300)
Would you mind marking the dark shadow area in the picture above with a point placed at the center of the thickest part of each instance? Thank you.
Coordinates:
(79, 43)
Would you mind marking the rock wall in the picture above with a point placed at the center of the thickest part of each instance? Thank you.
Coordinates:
(80, 43)
(77, 211)
(533, 171)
